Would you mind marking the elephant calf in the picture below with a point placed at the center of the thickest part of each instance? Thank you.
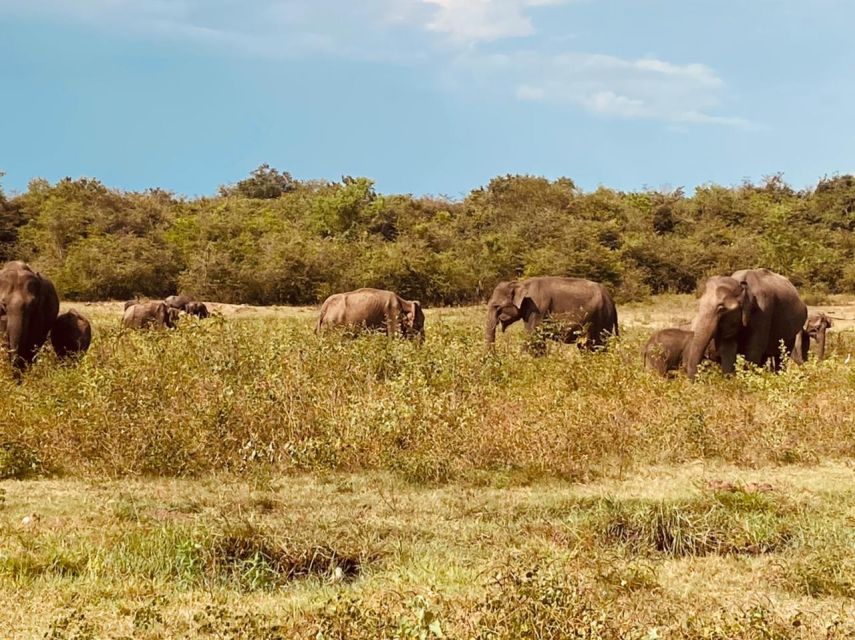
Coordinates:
(149, 314)
(70, 335)
(373, 309)
(667, 349)
(815, 328)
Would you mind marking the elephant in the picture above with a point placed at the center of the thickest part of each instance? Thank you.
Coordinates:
(28, 307)
(188, 305)
(580, 308)
(197, 309)
(666, 350)
(149, 314)
(752, 313)
(70, 335)
(178, 302)
(816, 326)
(373, 309)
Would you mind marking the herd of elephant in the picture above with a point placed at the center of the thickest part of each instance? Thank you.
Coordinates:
(755, 313)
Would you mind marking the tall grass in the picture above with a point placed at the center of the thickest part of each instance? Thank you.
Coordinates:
(238, 393)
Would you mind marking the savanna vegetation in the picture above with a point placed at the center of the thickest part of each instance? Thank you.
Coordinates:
(240, 477)
(272, 239)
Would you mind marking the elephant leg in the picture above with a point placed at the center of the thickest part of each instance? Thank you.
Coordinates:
(758, 341)
(536, 341)
(392, 324)
(800, 348)
(727, 353)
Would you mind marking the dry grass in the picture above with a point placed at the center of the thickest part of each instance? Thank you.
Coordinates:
(229, 395)
(365, 556)
(240, 478)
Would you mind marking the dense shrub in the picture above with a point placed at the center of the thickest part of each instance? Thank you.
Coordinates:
(271, 239)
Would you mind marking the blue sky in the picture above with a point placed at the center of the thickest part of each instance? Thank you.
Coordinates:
(426, 96)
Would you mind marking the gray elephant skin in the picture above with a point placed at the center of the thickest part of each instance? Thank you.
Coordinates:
(373, 309)
(70, 335)
(580, 308)
(188, 305)
(752, 313)
(666, 350)
(815, 329)
(149, 314)
(28, 307)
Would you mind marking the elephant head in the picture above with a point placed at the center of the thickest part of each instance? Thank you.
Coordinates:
(815, 327)
(171, 316)
(414, 320)
(20, 289)
(197, 309)
(724, 309)
(504, 307)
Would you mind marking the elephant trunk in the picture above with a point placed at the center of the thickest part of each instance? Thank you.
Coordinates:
(820, 345)
(490, 329)
(16, 330)
(701, 340)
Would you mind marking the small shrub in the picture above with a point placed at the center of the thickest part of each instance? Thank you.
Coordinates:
(724, 523)
(18, 461)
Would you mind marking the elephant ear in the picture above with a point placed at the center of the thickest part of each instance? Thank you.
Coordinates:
(749, 303)
(825, 320)
(520, 295)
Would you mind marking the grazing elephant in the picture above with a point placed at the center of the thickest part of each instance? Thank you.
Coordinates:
(70, 335)
(28, 307)
(373, 309)
(815, 327)
(751, 313)
(179, 302)
(666, 350)
(580, 308)
(197, 309)
(149, 314)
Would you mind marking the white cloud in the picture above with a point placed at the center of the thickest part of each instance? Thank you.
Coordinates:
(471, 21)
(608, 86)
(445, 34)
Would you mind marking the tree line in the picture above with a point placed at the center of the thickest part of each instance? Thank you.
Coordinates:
(272, 239)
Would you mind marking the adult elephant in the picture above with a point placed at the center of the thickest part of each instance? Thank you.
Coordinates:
(149, 314)
(580, 308)
(179, 302)
(28, 307)
(751, 313)
(71, 334)
(188, 306)
(373, 309)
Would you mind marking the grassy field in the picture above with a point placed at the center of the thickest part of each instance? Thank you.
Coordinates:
(240, 478)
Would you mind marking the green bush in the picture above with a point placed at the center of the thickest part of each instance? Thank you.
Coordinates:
(271, 239)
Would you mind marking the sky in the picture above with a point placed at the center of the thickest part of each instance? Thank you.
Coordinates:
(426, 96)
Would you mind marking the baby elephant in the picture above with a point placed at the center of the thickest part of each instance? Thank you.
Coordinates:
(815, 328)
(149, 314)
(373, 309)
(666, 349)
(70, 335)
